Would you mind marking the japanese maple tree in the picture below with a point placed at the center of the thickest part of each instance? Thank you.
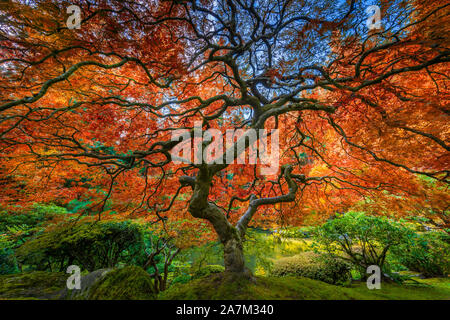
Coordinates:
(89, 113)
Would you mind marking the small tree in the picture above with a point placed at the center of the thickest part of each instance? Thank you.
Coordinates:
(361, 239)
(160, 255)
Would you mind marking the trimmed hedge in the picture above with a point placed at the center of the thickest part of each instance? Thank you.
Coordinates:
(314, 266)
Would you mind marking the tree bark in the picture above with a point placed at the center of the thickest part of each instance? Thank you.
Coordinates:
(229, 236)
(234, 255)
(231, 239)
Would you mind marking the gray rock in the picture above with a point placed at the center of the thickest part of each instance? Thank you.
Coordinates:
(87, 282)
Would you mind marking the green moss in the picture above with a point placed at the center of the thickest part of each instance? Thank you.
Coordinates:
(39, 284)
(420, 289)
(207, 270)
(232, 287)
(129, 283)
(134, 283)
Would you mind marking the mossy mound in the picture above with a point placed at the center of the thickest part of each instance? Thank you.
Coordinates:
(128, 283)
(208, 270)
(231, 287)
(86, 283)
(38, 285)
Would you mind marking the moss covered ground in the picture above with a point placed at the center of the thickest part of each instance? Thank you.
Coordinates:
(134, 283)
(221, 286)
(129, 283)
(32, 285)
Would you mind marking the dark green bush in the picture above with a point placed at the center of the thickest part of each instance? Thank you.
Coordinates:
(427, 253)
(183, 278)
(314, 266)
(8, 263)
(207, 270)
(362, 239)
(90, 245)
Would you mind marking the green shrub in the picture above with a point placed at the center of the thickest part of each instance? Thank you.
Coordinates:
(361, 239)
(90, 245)
(8, 263)
(207, 270)
(427, 253)
(183, 278)
(314, 266)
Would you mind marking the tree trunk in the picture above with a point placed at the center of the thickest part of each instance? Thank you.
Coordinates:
(234, 255)
(230, 236)
(231, 239)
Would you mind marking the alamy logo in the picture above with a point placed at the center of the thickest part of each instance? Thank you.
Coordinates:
(374, 21)
(374, 281)
(74, 281)
(238, 146)
(74, 20)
